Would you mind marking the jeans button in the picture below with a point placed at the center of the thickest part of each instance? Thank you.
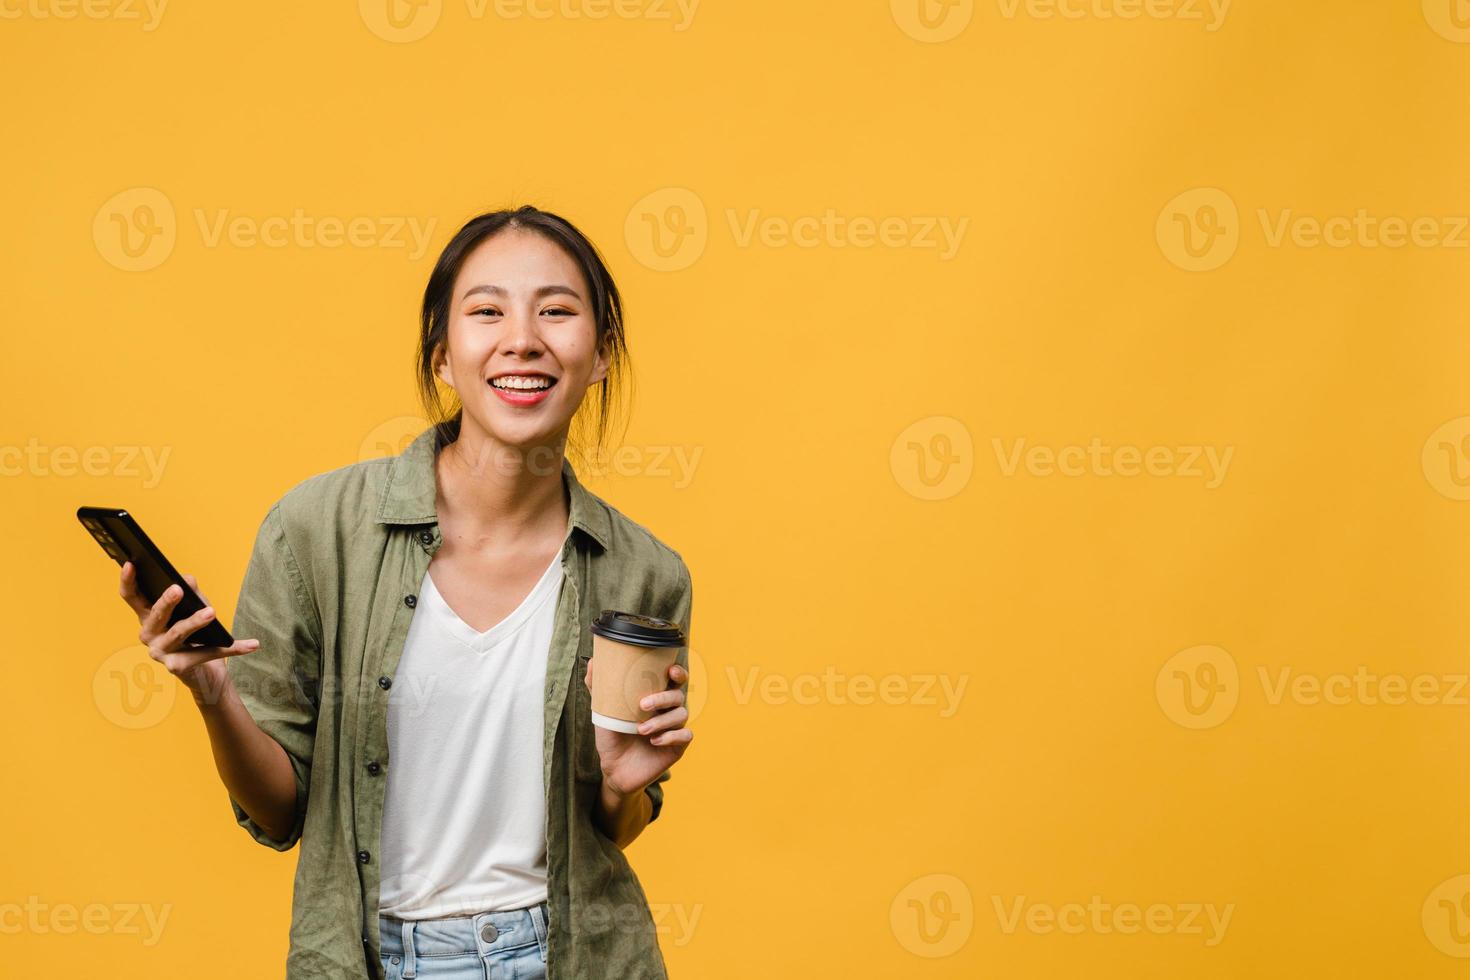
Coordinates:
(488, 932)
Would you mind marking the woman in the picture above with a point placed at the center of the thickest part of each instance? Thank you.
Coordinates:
(412, 702)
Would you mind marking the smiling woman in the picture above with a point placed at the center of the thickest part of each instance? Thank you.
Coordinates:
(412, 703)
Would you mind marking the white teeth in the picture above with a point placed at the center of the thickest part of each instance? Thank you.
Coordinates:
(521, 383)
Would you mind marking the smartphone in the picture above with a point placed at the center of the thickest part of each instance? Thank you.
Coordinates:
(123, 540)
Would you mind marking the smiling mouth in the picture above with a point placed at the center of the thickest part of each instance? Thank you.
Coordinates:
(512, 382)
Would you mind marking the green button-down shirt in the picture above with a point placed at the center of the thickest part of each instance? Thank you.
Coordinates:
(329, 592)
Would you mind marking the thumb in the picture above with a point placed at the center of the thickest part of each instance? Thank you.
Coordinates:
(587, 678)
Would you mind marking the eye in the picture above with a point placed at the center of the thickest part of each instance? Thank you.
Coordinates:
(486, 309)
(559, 311)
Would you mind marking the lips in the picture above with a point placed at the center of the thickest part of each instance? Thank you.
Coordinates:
(522, 389)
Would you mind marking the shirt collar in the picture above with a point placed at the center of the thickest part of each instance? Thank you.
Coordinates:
(408, 493)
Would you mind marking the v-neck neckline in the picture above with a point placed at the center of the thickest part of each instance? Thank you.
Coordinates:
(514, 620)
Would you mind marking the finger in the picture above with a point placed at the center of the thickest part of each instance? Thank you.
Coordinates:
(156, 617)
(671, 698)
(174, 637)
(128, 589)
(679, 736)
(587, 677)
(182, 660)
(194, 584)
(665, 721)
(677, 675)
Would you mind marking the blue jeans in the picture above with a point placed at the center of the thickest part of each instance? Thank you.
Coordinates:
(487, 946)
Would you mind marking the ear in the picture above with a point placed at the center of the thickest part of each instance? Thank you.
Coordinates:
(599, 369)
(442, 367)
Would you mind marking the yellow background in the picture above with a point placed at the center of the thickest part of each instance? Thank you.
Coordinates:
(806, 834)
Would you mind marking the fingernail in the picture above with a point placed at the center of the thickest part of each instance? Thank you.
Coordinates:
(208, 612)
(646, 703)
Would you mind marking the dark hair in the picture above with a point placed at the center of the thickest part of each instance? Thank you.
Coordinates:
(607, 309)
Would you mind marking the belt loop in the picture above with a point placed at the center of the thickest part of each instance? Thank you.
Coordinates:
(409, 968)
(538, 922)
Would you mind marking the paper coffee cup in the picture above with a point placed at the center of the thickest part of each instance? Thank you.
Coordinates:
(633, 655)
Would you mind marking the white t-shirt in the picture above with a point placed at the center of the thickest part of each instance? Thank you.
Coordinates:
(464, 819)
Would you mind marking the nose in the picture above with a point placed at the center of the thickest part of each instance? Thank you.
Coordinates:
(522, 336)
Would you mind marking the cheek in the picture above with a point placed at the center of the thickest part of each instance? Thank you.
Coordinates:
(467, 349)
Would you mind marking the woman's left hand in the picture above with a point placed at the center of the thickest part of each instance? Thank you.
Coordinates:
(631, 762)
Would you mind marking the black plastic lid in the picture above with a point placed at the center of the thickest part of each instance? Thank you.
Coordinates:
(638, 631)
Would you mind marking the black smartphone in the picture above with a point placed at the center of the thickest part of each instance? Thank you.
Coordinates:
(123, 540)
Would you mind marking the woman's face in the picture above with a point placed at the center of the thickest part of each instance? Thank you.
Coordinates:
(522, 340)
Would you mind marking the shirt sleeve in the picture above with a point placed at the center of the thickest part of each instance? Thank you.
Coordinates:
(683, 606)
(280, 681)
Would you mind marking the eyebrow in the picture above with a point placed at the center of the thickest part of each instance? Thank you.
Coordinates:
(540, 292)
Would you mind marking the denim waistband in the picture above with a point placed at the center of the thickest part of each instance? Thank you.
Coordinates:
(486, 932)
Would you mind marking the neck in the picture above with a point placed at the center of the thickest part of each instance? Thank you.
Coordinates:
(500, 494)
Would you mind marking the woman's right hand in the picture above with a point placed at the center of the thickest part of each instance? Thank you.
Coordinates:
(201, 669)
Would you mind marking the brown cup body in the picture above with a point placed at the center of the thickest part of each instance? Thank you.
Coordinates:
(625, 675)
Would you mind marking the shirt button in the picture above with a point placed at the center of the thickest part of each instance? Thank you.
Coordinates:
(427, 537)
(488, 932)
(373, 768)
(385, 682)
(363, 857)
(410, 600)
